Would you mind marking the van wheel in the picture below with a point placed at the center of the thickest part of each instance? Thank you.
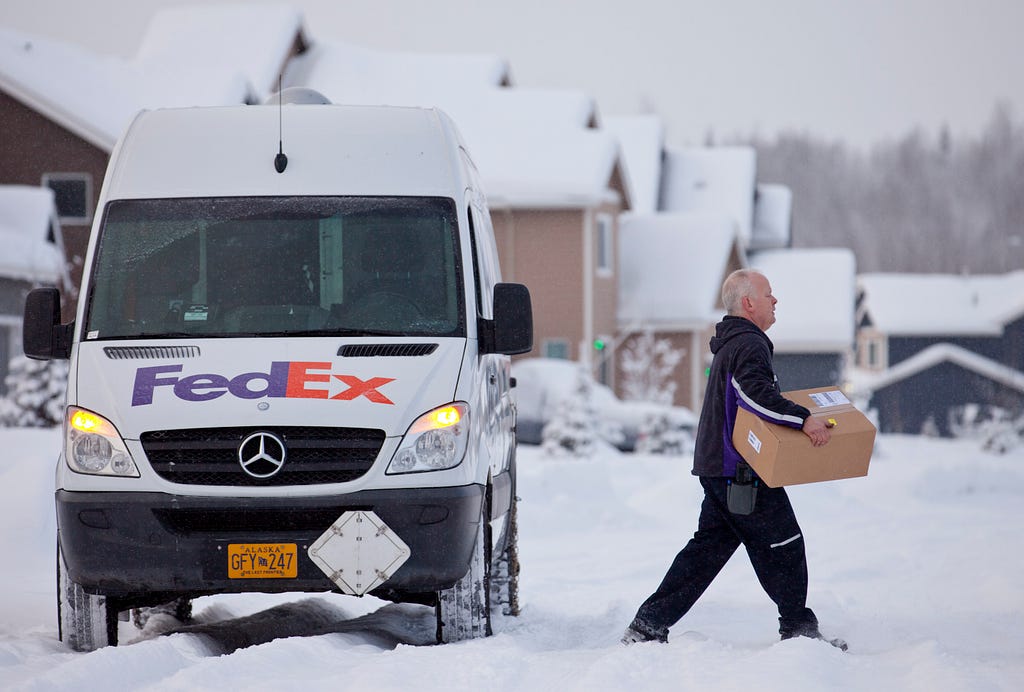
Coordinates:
(464, 610)
(84, 620)
(505, 572)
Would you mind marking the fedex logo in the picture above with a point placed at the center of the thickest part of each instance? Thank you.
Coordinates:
(302, 380)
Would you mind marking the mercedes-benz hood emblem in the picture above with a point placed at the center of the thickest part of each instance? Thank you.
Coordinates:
(262, 454)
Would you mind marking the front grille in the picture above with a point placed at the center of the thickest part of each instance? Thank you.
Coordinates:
(249, 521)
(209, 456)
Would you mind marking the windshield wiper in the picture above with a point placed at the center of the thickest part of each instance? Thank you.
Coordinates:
(321, 332)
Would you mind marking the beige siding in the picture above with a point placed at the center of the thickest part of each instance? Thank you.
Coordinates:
(543, 249)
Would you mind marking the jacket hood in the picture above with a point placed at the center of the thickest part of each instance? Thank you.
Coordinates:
(731, 327)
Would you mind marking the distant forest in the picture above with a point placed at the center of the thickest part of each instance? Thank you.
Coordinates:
(919, 204)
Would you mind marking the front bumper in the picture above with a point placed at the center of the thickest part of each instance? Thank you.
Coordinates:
(125, 545)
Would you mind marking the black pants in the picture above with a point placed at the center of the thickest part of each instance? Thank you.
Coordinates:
(774, 544)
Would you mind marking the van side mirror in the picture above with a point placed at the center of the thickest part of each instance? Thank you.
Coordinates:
(43, 336)
(511, 330)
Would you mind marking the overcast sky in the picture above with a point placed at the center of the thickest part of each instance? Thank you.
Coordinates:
(854, 70)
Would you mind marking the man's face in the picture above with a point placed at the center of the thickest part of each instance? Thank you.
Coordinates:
(762, 311)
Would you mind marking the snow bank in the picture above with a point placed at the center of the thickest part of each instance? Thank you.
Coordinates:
(917, 566)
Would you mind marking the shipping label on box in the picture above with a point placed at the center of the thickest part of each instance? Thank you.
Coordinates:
(785, 456)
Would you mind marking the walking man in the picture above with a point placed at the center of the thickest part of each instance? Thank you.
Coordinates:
(741, 374)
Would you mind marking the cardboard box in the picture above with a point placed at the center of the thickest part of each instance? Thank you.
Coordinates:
(785, 456)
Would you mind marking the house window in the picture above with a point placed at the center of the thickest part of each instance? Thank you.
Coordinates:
(873, 353)
(604, 243)
(555, 348)
(73, 195)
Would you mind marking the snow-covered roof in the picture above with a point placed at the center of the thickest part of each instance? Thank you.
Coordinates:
(544, 169)
(671, 268)
(349, 73)
(26, 216)
(772, 217)
(942, 304)
(939, 353)
(533, 147)
(190, 56)
(641, 141)
(816, 293)
(216, 44)
(90, 95)
(715, 179)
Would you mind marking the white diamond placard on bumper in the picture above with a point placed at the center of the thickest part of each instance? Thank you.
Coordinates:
(359, 552)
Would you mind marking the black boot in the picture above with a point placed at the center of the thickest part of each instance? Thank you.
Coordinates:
(641, 631)
(812, 632)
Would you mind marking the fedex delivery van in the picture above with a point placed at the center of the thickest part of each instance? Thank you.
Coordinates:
(289, 370)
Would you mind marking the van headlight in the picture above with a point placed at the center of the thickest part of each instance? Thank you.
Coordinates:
(436, 440)
(92, 445)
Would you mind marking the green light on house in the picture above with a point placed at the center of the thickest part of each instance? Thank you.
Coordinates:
(598, 344)
(707, 371)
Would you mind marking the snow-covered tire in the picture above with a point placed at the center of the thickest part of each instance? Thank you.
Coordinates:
(85, 623)
(464, 610)
(505, 570)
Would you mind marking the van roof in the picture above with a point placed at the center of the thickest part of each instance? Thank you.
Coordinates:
(331, 150)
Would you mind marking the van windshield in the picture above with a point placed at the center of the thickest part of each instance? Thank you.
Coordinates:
(288, 266)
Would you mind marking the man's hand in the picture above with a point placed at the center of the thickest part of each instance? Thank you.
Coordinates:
(816, 429)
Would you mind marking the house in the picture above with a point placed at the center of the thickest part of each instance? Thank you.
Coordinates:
(675, 258)
(814, 329)
(672, 269)
(711, 218)
(932, 390)
(63, 107)
(930, 344)
(555, 182)
(33, 256)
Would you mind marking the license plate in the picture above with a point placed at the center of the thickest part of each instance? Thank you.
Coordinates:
(262, 561)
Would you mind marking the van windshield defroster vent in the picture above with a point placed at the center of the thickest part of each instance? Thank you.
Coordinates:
(209, 456)
(163, 352)
(386, 350)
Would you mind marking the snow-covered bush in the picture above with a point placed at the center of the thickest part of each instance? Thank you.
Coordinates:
(661, 433)
(995, 428)
(35, 393)
(573, 428)
(1002, 438)
(647, 365)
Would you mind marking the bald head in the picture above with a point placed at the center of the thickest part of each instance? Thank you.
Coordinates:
(738, 286)
(747, 293)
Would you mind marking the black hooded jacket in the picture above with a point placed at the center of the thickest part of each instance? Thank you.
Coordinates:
(741, 375)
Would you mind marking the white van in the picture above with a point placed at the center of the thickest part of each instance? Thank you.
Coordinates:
(289, 370)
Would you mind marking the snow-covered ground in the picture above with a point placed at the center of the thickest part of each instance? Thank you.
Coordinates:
(919, 566)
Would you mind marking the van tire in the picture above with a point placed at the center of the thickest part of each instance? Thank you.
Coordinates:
(85, 622)
(505, 570)
(464, 610)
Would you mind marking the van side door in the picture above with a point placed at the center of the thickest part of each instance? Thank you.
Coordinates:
(496, 395)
